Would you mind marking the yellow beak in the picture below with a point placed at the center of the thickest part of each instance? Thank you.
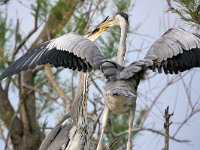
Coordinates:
(99, 29)
(104, 26)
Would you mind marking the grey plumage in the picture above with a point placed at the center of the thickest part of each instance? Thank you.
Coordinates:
(59, 135)
(176, 51)
(70, 51)
(72, 131)
(111, 70)
(74, 52)
(120, 95)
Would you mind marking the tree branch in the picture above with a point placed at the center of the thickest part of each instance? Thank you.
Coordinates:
(167, 123)
(55, 86)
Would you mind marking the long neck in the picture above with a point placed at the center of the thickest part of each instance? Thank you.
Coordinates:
(122, 44)
(79, 106)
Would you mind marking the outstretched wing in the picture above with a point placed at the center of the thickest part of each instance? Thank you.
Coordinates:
(70, 51)
(176, 51)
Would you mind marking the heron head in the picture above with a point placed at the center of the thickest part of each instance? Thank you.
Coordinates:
(119, 19)
(94, 32)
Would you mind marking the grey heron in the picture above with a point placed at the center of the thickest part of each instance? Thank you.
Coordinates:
(120, 95)
(71, 132)
(176, 51)
(74, 52)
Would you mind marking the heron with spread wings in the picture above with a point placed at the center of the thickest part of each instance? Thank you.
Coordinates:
(74, 52)
(176, 51)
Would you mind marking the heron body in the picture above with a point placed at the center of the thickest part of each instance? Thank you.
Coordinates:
(74, 52)
(120, 96)
(75, 128)
(176, 51)
(72, 132)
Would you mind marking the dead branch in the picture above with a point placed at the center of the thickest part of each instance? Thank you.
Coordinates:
(167, 123)
(55, 86)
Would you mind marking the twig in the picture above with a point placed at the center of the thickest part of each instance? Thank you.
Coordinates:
(95, 84)
(112, 144)
(169, 4)
(95, 123)
(192, 113)
(167, 123)
(136, 130)
(27, 37)
(56, 87)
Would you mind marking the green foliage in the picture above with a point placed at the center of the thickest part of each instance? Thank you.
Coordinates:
(80, 19)
(79, 22)
(117, 124)
(109, 47)
(124, 5)
(57, 10)
(189, 10)
(58, 17)
(43, 8)
(3, 31)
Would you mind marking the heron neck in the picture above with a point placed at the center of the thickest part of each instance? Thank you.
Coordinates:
(122, 44)
(79, 106)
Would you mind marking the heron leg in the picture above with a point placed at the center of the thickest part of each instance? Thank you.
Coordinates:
(106, 113)
(130, 126)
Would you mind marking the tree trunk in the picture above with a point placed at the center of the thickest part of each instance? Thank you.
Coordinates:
(24, 128)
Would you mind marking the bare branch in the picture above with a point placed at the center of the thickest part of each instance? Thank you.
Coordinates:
(55, 86)
(167, 123)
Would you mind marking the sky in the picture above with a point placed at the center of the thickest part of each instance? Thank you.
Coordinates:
(153, 21)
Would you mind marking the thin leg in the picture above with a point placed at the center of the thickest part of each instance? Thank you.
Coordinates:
(130, 126)
(106, 113)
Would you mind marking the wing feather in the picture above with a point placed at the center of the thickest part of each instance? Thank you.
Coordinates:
(176, 51)
(178, 48)
(70, 50)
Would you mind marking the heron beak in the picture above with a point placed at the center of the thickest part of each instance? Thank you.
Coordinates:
(99, 29)
(104, 26)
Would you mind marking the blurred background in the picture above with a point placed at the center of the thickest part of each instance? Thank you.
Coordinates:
(31, 103)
